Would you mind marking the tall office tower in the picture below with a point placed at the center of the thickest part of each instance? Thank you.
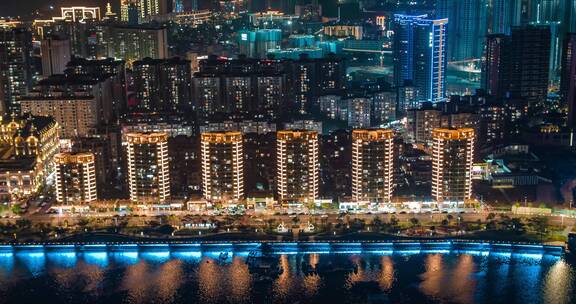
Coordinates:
(529, 56)
(547, 10)
(359, 112)
(420, 55)
(452, 158)
(222, 166)
(134, 42)
(494, 65)
(15, 67)
(298, 166)
(55, 55)
(256, 43)
(430, 60)
(403, 47)
(568, 78)
(570, 16)
(162, 84)
(467, 29)
(372, 165)
(148, 168)
(500, 14)
(75, 178)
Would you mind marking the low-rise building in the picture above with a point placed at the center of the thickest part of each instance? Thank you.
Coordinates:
(27, 147)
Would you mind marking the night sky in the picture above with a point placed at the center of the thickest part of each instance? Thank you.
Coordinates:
(25, 8)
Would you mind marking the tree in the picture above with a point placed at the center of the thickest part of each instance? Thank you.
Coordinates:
(414, 221)
(271, 223)
(394, 221)
(295, 220)
(376, 223)
(516, 225)
(23, 223)
(539, 224)
(16, 209)
(165, 229)
(83, 222)
(490, 216)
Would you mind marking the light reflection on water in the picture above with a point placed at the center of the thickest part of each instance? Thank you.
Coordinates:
(181, 276)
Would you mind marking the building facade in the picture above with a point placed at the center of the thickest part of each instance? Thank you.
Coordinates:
(148, 168)
(15, 67)
(56, 53)
(297, 157)
(419, 52)
(372, 165)
(75, 178)
(452, 159)
(162, 85)
(222, 166)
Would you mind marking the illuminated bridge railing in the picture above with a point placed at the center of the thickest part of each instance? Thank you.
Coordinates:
(272, 247)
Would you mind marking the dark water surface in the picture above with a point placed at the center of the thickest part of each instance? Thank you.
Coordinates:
(238, 277)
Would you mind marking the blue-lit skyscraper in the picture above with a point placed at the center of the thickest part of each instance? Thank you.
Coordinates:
(403, 47)
(503, 14)
(420, 55)
(467, 30)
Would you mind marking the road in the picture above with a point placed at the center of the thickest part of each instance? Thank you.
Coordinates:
(142, 220)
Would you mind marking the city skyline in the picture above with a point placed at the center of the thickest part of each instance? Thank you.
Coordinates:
(287, 151)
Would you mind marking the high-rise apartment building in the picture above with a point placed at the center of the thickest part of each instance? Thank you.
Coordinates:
(568, 78)
(528, 72)
(494, 64)
(372, 165)
(133, 11)
(304, 83)
(270, 93)
(421, 122)
(75, 178)
(55, 55)
(162, 85)
(255, 44)
(238, 93)
(77, 103)
(222, 166)
(15, 67)
(134, 42)
(518, 65)
(148, 168)
(452, 159)
(359, 112)
(297, 157)
(207, 93)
